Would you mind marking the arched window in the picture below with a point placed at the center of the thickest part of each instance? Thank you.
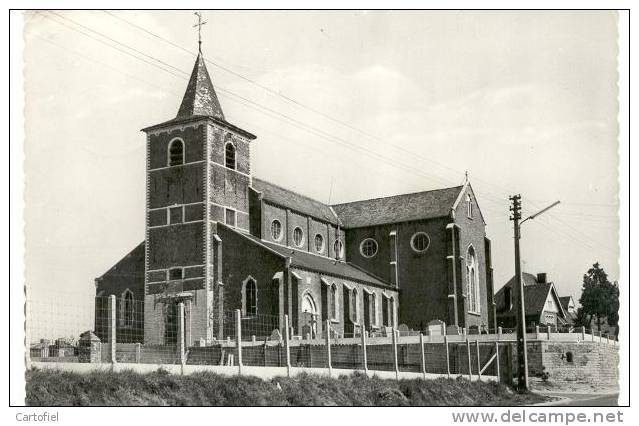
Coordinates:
(338, 247)
(355, 306)
(469, 206)
(127, 309)
(471, 280)
(319, 243)
(374, 309)
(298, 236)
(229, 155)
(176, 152)
(391, 314)
(276, 230)
(250, 297)
(334, 302)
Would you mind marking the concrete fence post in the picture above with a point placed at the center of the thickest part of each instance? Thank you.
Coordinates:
(497, 361)
(447, 356)
(470, 366)
(599, 332)
(549, 331)
(328, 348)
(583, 333)
(499, 331)
(181, 335)
(112, 332)
(537, 332)
(395, 363)
(138, 353)
(364, 357)
(478, 360)
(421, 349)
(287, 346)
(238, 339)
(592, 335)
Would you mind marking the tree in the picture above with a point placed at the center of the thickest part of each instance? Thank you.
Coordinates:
(599, 298)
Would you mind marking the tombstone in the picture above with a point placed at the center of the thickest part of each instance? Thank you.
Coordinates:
(276, 336)
(403, 330)
(473, 329)
(200, 343)
(453, 330)
(306, 330)
(436, 328)
(89, 348)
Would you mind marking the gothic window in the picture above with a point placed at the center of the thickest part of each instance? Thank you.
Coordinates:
(469, 206)
(338, 247)
(175, 274)
(420, 242)
(368, 247)
(298, 236)
(126, 318)
(276, 230)
(374, 309)
(319, 243)
(229, 155)
(334, 299)
(472, 289)
(250, 297)
(176, 152)
(354, 307)
(230, 217)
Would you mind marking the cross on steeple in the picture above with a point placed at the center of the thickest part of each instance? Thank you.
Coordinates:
(199, 30)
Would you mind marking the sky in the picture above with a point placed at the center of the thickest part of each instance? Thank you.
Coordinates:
(346, 105)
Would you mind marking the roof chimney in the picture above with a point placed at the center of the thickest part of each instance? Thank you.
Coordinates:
(541, 278)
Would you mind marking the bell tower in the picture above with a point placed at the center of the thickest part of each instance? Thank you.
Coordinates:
(197, 174)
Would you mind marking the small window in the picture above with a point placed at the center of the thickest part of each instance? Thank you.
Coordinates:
(176, 153)
(229, 155)
(420, 242)
(230, 217)
(338, 247)
(368, 247)
(319, 243)
(469, 206)
(569, 357)
(276, 230)
(175, 274)
(298, 236)
(175, 215)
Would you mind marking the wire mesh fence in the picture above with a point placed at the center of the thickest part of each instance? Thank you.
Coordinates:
(169, 331)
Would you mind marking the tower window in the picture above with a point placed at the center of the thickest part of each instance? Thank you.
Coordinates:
(472, 287)
(368, 247)
(298, 236)
(175, 274)
(420, 242)
(276, 230)
(338, 247)
(229, 155)
(469, 206)
(176, 152)
(319, 243)
(230, 217)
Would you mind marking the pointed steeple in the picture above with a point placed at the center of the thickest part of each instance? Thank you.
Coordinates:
(200, 97)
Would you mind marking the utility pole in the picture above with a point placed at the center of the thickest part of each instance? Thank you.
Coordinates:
(522, 356)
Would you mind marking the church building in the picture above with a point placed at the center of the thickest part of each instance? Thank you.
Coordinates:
(219, 239)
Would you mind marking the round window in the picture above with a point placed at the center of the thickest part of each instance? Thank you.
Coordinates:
(298, 236)
(276, 230)
(420, 242)
(368, 247)
(319, 243)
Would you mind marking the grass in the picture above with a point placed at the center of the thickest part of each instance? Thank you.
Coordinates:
(60, 388)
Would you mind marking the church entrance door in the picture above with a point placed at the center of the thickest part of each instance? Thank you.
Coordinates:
(309, 316)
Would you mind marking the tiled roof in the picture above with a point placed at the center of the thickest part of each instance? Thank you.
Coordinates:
(535, 295)
(321, 264)
(398, 208)
(286, 198)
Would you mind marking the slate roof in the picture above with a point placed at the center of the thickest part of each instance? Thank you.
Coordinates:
(200, 97)
(300, 203)
(320, 264)
(535, 295)
(398, 208)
